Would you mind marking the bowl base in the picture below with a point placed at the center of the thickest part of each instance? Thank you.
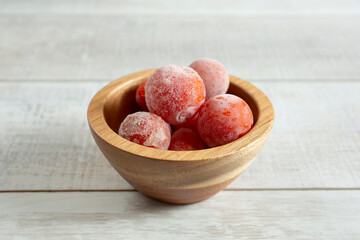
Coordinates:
(181, 196)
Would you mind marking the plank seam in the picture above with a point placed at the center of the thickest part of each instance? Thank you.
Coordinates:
(194, 16)
(229, 190)
(4, 81)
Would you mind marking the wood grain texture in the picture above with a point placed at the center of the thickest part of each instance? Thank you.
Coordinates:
(53, 141)
(247, 215)
(182, 8)
(66, 48)
(46, 144)
(286, 46)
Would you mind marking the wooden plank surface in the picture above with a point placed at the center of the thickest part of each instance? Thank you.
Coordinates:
(65, 48)
(184, 7)
(54, 56)
(247, 215)
(46, 143)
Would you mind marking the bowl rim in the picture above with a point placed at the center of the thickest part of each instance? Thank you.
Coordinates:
(99, 126)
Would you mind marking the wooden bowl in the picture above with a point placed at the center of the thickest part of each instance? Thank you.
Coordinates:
(178, 177)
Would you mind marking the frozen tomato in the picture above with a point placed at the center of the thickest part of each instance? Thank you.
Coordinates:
(140, 96)
(186, 139)
(214, 75)
(223, 119)
(175, 93)
(146, 129)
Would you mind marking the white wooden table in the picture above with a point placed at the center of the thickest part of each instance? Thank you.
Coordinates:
(54, 56)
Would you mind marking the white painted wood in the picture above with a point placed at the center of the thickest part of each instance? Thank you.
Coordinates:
(228, 215)
(62, 52)
(45, 142)
(94, 48)
(183, 8)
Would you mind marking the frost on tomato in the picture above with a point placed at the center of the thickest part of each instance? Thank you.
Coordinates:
(146, 129)
(175, 93)
(214, 75)
(191, 123)
(223, 119)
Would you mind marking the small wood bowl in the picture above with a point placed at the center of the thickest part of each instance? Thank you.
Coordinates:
(178, 177)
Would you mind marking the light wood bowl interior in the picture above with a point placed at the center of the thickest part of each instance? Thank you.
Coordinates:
(175, 176)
